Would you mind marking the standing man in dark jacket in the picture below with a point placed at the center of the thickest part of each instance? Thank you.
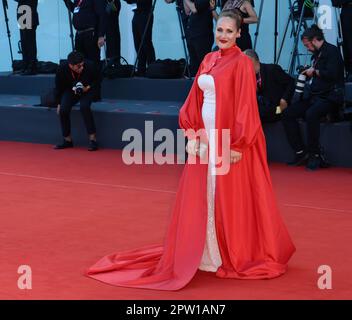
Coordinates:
(113, 38)
(275, 88)
(77, 81)
(326, 84)
(139, 25)
(89, 20)
(28, 34)
(346, 24)
(199, 31)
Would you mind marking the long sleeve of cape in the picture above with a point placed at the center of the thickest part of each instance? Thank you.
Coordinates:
(190, 117)
(246, 123)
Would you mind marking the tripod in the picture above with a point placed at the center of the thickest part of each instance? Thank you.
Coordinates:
(256, 34)
(258, 24)
(71, 28)
(183, 37)
(298, 19)
(143, 37)
(5, 7)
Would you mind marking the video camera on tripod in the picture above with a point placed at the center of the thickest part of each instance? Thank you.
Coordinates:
(305, 5)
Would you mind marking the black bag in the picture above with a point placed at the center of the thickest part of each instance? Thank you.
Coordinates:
(116, 69)
(18, 65)
(166, 69)
(47, 67)
(44, 67)
(49, 99)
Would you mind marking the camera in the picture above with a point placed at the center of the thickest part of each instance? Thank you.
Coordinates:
(301, 80)
(78, 88)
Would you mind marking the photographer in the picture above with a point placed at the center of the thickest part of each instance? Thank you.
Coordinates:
(274, 88)
(139, 23)
(326, 76)
(28, 36)
(346, 25)
(77, 81)
(89, 20)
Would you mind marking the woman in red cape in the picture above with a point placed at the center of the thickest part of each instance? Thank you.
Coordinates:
(229, 224)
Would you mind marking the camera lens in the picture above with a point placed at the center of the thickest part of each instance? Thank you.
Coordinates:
(301, 81)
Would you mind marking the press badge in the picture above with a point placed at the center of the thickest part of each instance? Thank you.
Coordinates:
(76, 10)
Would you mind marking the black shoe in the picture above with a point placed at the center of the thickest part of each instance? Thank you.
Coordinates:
(66, 144)
(300, 159)
(93, 145)
(323, 162)
(317, 161)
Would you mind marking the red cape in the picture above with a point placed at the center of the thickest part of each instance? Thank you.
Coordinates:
(253, 240)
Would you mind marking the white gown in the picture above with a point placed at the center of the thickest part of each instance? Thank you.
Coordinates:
(211, 259)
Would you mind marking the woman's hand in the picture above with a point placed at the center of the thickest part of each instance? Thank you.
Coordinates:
(283, 104)
(235, 156)
(192, 147)
(101, 42)
(86, 89)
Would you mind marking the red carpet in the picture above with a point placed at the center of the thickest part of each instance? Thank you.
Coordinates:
(60, 211)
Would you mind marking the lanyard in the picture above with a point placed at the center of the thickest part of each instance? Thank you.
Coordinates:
(74, 75)
(316, 61)
(79, 3)
(259, 81)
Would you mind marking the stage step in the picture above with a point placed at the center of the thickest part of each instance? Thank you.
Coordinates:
(123, 88)
(130, 103)
(21, 121)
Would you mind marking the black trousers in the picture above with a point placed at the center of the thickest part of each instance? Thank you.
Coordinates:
(312, 109)
(147, 53)
(87, 43)
(29, 45)
(267, 110)
(113, 37)
(198, 47)
(68, 100)
(346, 18)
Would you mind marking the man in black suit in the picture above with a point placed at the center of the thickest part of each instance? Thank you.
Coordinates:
(113, 38)
(77, 81)
(89, 20)
(28, 34)
(199, 31)
(275, 88)
(139, 28)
